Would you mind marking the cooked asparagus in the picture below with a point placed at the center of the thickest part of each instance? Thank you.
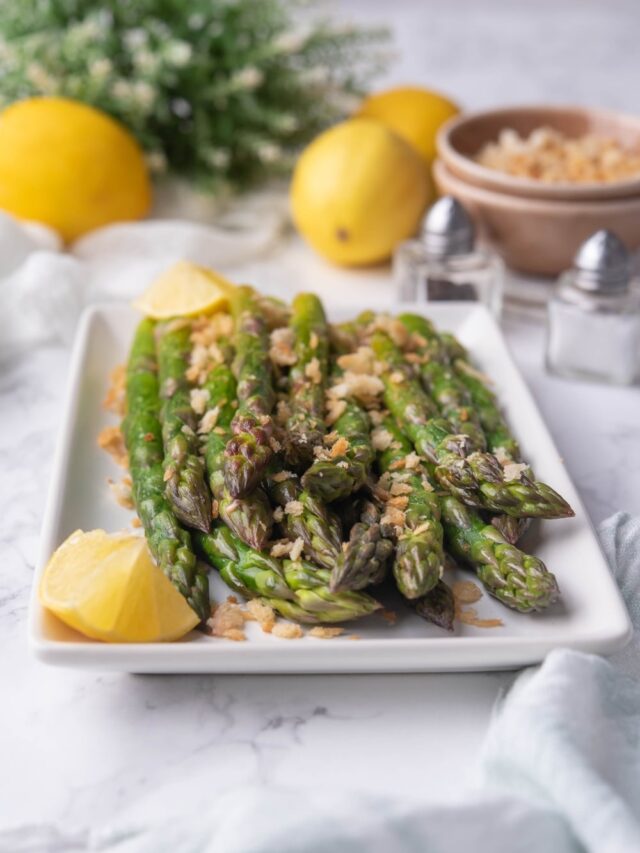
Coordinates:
(438, 606)
(413, 513)
(295, 589)
(345, 467)
(249, 449)
(250, 518)
(307, 379)
(475, 478)
(440, 379)
(366, 555)
(519, 580)
(306, 517)
(183, 468)
(169, 543)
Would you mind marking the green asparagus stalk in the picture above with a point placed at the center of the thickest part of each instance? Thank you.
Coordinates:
(500, 439)
(307, 379)
(185, 483)
(519, 580)
(249, 449)
(366, 556)
(306, 517)
(342, 473)
(495, 427)
(419, 558)
(250, 518)
(437, 606)
(440, 379)
(475, 478)
(296, 590)
(169, 543)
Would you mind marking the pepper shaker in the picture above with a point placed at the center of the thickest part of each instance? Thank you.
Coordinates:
(443, 263)
(593, 318)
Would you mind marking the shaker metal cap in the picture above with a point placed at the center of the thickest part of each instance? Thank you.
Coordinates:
(447, 229)
(602, 263)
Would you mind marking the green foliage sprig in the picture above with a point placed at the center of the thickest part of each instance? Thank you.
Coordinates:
(220, 92)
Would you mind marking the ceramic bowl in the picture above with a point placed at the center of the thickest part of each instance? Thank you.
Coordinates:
(460, 139)
(540, 236)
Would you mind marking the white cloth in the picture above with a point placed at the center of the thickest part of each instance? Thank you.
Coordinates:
(43, 289)
(559, 773)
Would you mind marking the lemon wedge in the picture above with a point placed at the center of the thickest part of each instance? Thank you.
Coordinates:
(184, 290)
(107, 587)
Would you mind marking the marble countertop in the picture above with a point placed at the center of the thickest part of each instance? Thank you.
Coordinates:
(79, 748)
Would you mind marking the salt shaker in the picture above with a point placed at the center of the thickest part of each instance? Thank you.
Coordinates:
(593, 325)
(443, 263)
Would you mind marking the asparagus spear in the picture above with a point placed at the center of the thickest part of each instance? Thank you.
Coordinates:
(500, 439)
(437, 606)
(249, 449)
(250, 518)
(307, 518)
(366, 555)
(169, 543)
(345, 471)
(495, 427)
(475, 478)
(419, 555)
(296, 590)
(440, 379)
(519, 580)
(183, 468)
(307, 379)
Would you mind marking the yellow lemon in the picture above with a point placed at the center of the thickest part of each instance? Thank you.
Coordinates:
(357, 191)
(184, 290)
(108, 588)
(415, 114)
(69, 166)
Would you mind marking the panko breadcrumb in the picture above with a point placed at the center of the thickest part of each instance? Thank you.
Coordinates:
(281, 350)
(287, 631)
(111, 440)
(324, 633)
(114, 400)
(228, 621)
(549, 156)
(263, 614)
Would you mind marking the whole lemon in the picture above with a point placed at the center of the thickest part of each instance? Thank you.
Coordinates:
(70, 166)
(415, 114)
(357, 191)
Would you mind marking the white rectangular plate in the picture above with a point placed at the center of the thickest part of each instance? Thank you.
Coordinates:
(590, 616)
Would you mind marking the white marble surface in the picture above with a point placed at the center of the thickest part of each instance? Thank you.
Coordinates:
(81, 748)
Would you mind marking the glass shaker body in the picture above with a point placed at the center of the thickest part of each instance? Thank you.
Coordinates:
(421, 276)
(594, 335)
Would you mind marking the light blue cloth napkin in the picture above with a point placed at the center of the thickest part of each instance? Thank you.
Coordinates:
(560, 773)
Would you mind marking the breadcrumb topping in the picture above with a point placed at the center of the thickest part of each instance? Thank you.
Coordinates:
(294, 508)
(208, 420)
(122, 492)
(228, 620)
(114, 400)
(281, 350)
(111, 440)
(514, 471)
(339, 448)
(381, 438)
(323, 633)
(262, 613)
(287, 631)
(312, 371)
(199, 397)
(296, 549)
(335, 409)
